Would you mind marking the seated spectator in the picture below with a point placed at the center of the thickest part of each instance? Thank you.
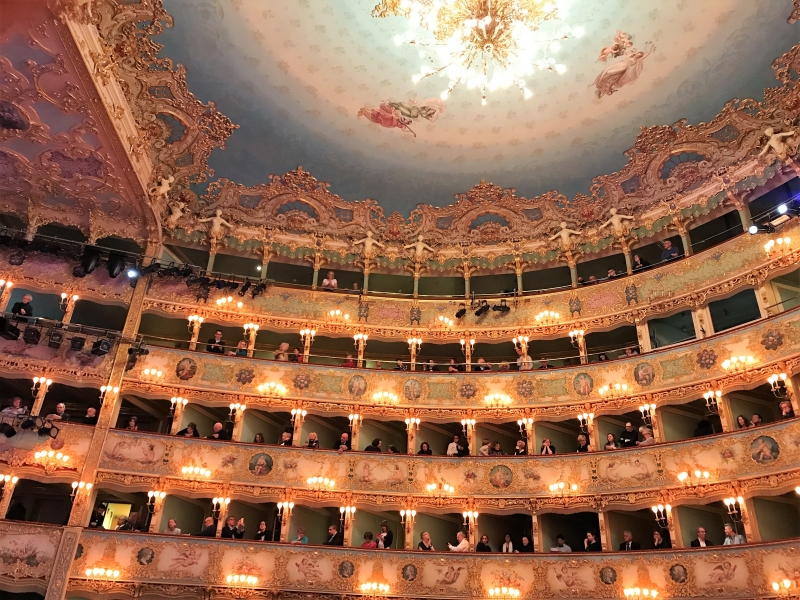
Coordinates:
(343, 445)
(232, 529)
(452, 447)
(392, 449)
(756, 420)
(561, 545)
(368, 541)
(241, 349)
(628, 544)
(60, 414)
(591, 543)
(189, 431)
(463, 448)
(399, 366)
(462, 544)
(520, 449)
(524, 362)
(543, 364)
(300, 537)
(259, 439)
(355, 289)
(660, 542)
(639, 263)
(483, 545)
(611, 442)
(172, 528)
(525, 546)
(425, 543)
(701, 541)
(219, 433)
(15, 408)
(297, 356)
(592, 279)
(486, 447)
(504, 366)
(378, 365)
(669, 253)
(731, 537)
(482, 366)
(263, 534)
(348, 363)
(430, 366)
(312, 442)
(215, 344)
(787, 412)
(385, 537)
(132, 426)
(547, 447)
(375, 446)
(602, 357)
(742, 422)
(330, 282)
(704, 428)
(425, 449)
(209, 528)
(286, 439)
(580, 281)
(23, 308)
(631, 352)
(335, 537)
(612, 274)
(91, 416)
(97, 517)
(122, 524)
(583, 444)
(282, 353)
(496, 450)
(647, 434)
(628, 438)
(508, 545)
(452, 367)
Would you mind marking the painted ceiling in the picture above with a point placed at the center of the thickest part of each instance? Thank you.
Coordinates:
(305, 81)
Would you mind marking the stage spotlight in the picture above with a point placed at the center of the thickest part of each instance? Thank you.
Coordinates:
(482, 309)
(202, 293)
(101, 347)
(259, 289)
(115, 265)
(170, 271)
(17, 258)
(153, 267)
(462, 310)
(56, 339)
(245, 286)
(133, 273)
(185, 271)
(90, 260)
(502, 307)
(764, 228)
(8, 330)
(232, 285)
(782, 209)
(77, 343)
(32, 336)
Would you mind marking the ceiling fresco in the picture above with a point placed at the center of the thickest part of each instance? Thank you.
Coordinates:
(322, 84)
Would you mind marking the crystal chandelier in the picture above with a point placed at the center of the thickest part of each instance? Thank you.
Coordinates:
(487, 44)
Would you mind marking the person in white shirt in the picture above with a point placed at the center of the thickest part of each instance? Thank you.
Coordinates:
(172, 528)
(525, 362)
(484, 449)
(463, 543)
(16, 407)
(452, 448)
(330, 281)
(560, 545)
(731, 537)
(508, 546)
(649, 440)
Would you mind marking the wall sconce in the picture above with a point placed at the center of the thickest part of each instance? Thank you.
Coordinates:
(337, 317)
(470, 519)
(383, 398)
(347, 514)
(371, 588)
(359, 339)
(778, 384)
(78, 487)
(298, 413)
(561, 489)
(250, 328)
(585, 421)
(521, 342)
(102, 574)
(8, 481)
(227, 302)
(738, 363)
(217, 505)
(440, 489)
(151, 375)
(407, 517)
(525, 427)
(616, 390)
(465, 348)
(467, 427)
(5, 284)
(639, 593)
(108, 393)
(412, 423)
(38, 382)
(504, 593)
(782, 244)
(272, 389)
(694, 479)
(547, 317)
(783, 588)
(576, 336)
(734, 508)
(239, 580)
(712, 398)
(662, 514)
(65, 300)
(797, 490)
(194, 322)
(175, 402)
(152, 498)
(235, 411)
(285, 510)
(648, 412)
(51, 460)
(320, 483)
(442, 322)
(196, 472)
(414, 345)
(307, 334)
(497, 400)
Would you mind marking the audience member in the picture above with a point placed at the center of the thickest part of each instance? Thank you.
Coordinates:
(525, 546)
(787, 412)
(669, 253)
(282, 353)
(543, 364)
(701, 541)
(425, 449)
(425, 542)
(483, 545)
(628, 438)
(233, 529)
(343, 445)
(482, 366)
(524, 362)
(375, 446)
(392, 449)
(452, 367)
(463, 447)
(496, 450)
(386, 536)
(756, 420)
(60, 414)
(591, 543)
(122, 524)
(368, 541)
(611, 442)
(90, 418)
(639, 263)
(172, 528)
(602, 357)
(703, 428)
(504, 366)
(647, 434)
(452, 447)
(98, 516)
(215, 344)
(660, 542)
(297, 356)
(189, 431)
(219, 433)
(742, 422)
(286, 439)
(429, 366)
(731, 537)
(132, 426)
(521, 449)
(241, 349)
(335, 537)
(209, 528)
(259, 439)
(462, 543)
(592, 279)
(15, 408)
(583, 443)
(612, 274)
(330, 282)
(561, 545)
(631, 352)
(547, 447)
(312, 442)
(348, 363)
(628, 544)
(23, 308)
(263, 534)
(300, 537)
(355, 289)
(399, 365)
(378, 365)
(508, 545)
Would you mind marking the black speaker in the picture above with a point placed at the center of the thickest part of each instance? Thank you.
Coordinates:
(101, 347)
(8, 330)
(32, 336)
(77, 343)
(56, 339)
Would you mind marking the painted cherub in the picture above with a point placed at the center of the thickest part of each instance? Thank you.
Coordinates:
(419, 248)
(617, 222)
(216, 224)
(176, 213)
(160, 191)
(566, 237)
(368, 243)
(775, 141)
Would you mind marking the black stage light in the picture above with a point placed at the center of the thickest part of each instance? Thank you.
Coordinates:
(232, 285)
(17, 258)
(184, 271)
(153, 267)
(170, 271)
(8, 330)
(90, 259)
(763, 228)
(77, 343)
(259, 289)
(219, 284)
(202, 293)
(502, 307)
(204, 281)
(32, 336)
(482, 309)
(56, 339)
(115, 265)
(101, 347)
(245, 286)
(462, 310)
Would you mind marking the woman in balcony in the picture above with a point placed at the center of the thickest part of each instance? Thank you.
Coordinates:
(190, 431)
(496, 450)
(526, 545)
(262, 534)
(369, 543)
(611, 442)
(312, 442)
(453, 366)
(591, 543)
(787, 412)
(300, 537)
(547, 448)
(132, 426)
(583, 444)
(282, 353)
(742, 422)
(508, 545)
(241, 349)
(425, 542)
(425, 449)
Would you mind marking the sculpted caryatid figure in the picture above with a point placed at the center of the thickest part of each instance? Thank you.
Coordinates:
(369, 242)
(566, 237)
(775, 141)
(216, 223)
(617, 222)
(419, 249)
(160, 191)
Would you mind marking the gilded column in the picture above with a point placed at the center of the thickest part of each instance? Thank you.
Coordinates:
(59, 576)
(411, 435)
(409, 531)
(266, 255)
(643, 335)
(675, 533)
(658, 430)
(530, 446)
(682, 226)
(701, 319)
(286, 522)
(791, 395)
(751, 531)
(742, 208)
(768, 301)
(365, 285)
(212, 255)
(38, 401)
(5, 296)
(238, 422)
(317, 260)
(155, 518)
(605, 534)
(626, 251)
(71, 299)
(573, 271)
(355, 432)
(297, 431)
(726, 416)
(175, 426)
(536, 533)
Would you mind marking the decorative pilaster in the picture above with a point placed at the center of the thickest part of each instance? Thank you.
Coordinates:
(69, 300)
(536, 533)
(59, 576)
(742, 208)
(317, 261)
(701, 319)
(626, 251)
(158, 512)
(643, 335)
(675, 533)
(726, 416)
(38, 401)
(605, 534)
(751, 530)
(682, 226)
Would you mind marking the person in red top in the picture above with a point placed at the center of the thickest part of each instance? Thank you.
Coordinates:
(369, 542)
(349, 362)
